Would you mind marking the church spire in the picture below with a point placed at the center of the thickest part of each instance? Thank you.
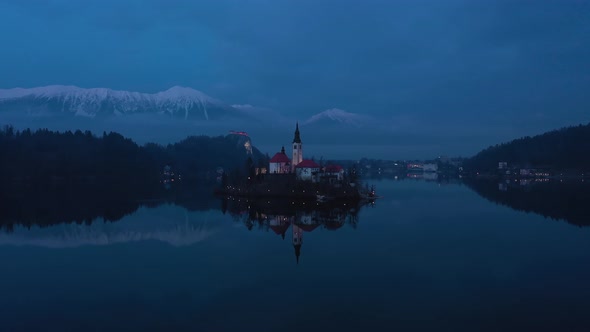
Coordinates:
(297, 149)
(297, 240)
(297, 138)
(297, 252)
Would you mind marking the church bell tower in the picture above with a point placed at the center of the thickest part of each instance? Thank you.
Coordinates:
(297, 149)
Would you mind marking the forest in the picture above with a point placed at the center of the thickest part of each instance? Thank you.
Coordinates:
(45, 156)
(48, 177)
(563, 149)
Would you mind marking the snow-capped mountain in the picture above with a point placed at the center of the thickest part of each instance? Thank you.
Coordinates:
(336, 115)
(177, 101)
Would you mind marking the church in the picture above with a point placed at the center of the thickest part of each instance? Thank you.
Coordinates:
(304, 169)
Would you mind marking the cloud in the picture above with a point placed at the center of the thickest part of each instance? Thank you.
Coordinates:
(262, 113)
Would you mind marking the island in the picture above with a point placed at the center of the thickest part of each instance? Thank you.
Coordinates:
(298, 178)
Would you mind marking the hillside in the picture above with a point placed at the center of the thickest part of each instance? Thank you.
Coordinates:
(562, 149)
(72, 157)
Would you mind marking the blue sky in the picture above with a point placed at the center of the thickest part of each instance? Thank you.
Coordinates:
(458, 74)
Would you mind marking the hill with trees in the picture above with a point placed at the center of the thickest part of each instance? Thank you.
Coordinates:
(562, 149)
(45, 156)
(48, 177)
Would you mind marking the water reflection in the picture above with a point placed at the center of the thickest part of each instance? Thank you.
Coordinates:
(301, 217)
(45, 206)
(181, 217)
(73, 217)
(555, 199)
(427, 257)
(168, 224)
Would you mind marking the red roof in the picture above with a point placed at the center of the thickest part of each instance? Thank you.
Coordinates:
(333, 168)
(333, 225)
(307, 164)
(308, 227)
(280, 158)
(280, 229)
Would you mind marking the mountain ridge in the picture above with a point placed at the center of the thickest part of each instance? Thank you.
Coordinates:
(176, 101)
(339, 116)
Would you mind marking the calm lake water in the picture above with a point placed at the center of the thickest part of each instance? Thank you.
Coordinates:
(425, 257)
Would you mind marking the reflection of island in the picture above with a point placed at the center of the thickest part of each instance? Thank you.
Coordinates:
(554, 199)
(279, 215)
(77, 216)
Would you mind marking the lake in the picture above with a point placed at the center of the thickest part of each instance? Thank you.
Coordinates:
(485, 256)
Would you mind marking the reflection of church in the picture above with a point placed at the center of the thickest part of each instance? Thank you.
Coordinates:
(306, 222)
(279, 214)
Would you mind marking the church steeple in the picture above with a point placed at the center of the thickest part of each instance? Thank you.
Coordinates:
(297, 149)
(297, 241)
(297, 252)
(283, 150)
(297, 138)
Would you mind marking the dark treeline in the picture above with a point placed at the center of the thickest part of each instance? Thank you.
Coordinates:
(49, 177)
(563, 149)
(557, 200)
(45, 156)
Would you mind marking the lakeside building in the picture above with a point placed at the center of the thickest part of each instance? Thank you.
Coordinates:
(280, 163)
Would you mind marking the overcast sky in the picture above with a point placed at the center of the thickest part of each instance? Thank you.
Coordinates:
(450, 76)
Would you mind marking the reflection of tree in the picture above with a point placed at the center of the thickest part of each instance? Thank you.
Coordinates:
(45, 206)
(79, 204)
(556, 200)
(50, 205)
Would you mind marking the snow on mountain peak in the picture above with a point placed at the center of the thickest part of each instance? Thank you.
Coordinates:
(185, 99)
(89, 102)
(178, 92)
(339, 116)
(52, 91)
(46, 91)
